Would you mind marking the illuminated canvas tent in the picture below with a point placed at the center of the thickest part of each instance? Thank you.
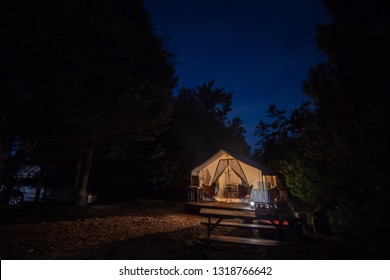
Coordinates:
(225, 168)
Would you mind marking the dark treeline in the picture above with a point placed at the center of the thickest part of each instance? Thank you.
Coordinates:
(333, 151)
(198, 128)
(86, 93)
(80, 81)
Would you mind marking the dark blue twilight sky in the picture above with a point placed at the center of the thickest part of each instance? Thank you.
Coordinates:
(260, 50)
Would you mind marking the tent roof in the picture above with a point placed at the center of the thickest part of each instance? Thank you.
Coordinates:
(265, 170)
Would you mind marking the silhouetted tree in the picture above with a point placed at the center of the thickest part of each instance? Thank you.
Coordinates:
(200, 127)
(283, 146)
(340, 165)
(351, 95)
(30, 120)
(95, 73)
(273, 136)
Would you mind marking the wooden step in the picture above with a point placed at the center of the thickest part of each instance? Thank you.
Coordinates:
(241, 225)
(258, 242)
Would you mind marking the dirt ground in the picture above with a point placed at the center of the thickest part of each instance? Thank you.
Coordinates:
(140, 229)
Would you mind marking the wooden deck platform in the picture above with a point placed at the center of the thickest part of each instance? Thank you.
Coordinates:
(195, 207)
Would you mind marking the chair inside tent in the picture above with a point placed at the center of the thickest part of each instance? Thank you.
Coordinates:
(229, 174)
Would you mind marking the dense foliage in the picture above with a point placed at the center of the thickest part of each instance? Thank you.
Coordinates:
(338, 164)
(200, 127)
(78, 76)
(86, 89)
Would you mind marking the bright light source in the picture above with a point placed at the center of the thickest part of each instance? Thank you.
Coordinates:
(252, 204)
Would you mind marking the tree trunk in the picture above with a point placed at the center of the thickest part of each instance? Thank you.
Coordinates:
(5, 151)
(82, 193)
(3, 161)
(39, 185)
(77, 178)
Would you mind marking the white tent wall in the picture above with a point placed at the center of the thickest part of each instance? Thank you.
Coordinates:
(255, 177)
(206, 175)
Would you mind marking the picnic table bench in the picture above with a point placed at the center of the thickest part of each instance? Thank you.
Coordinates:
(215, 218)
(275, 222)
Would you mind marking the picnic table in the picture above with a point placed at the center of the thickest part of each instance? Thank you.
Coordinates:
(246, 216)
(218, 217)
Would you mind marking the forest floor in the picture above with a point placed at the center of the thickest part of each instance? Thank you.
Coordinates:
(142, 229)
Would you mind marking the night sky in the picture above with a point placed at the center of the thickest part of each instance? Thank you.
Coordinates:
(260, 50)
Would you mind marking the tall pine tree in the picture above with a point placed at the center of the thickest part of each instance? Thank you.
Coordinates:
(98, 68)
